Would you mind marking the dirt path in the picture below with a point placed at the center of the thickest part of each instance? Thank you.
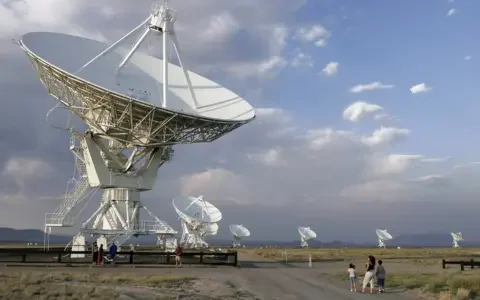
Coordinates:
(256, 278)
(277, 281)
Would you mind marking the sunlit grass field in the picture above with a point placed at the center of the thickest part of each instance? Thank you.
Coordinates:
(86, 285)
(319, 254)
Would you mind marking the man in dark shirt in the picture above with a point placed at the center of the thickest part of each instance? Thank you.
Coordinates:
(113, 252)
(178, 254)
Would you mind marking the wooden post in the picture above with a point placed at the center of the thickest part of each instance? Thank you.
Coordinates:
(24, 257)
(462, 266)
(472, 263)
(443, 263)
(168, 258)
(201, 257)
(235, 259)
(130, 258)
(59, 257)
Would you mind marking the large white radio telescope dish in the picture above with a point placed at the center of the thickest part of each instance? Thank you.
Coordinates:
(137, 104)
(382, 236)
(306, 234)
(69, 53)
(199, 218)
(239, 232)
(457, 237)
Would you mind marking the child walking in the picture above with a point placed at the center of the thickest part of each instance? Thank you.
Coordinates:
(380, 274)
(353, 277)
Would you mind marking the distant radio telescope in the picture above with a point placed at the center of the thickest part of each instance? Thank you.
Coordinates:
(382, 236)
(239, 232)
(457, 237)
(306, 234)
(198, 218)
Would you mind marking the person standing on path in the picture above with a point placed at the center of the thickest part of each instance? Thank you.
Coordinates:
(100, 255)
(94, 253)
(353, 278)
(369, 275)
(178, 254)
(113, 252)
(380, 274)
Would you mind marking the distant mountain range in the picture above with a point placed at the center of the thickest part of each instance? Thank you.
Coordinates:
(10, 235)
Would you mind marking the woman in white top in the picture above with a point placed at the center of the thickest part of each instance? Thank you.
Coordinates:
(369, 275)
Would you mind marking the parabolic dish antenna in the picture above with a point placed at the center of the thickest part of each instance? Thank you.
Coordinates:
(382, 236)
(238, 232)
(306, 234)
(198, 218)
(137, 106)
(456, 236)
(210, 229)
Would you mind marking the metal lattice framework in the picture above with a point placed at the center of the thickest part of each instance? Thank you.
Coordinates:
(125, 119)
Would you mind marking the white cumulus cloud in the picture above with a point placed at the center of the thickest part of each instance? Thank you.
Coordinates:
(386, 136)
(301, 60)
(451, 12)
(420, 88)
(316, 34)
(331, 68)
(360, 109)
(377, 85)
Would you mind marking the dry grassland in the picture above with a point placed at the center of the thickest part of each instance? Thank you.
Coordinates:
(89, 284)
(430, 285)
(318, 254)
(417, 271)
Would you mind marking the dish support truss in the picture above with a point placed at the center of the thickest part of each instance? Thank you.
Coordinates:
(102, 164)
(381, 243)
(455, 243)
(192, 235)
(303, 242)
(168, 243)
(236, 241)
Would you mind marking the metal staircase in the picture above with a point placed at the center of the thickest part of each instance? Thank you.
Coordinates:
(77, 189)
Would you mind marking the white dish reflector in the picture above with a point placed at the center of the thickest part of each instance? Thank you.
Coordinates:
(210, 229)
(307, 233)
(457, 236)
(239, 231)
(196, 209)
(141, 79)
(383, 234)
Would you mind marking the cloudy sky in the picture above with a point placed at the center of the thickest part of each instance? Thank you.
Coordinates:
(366, 114)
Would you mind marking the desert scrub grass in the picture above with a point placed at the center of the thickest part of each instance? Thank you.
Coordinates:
(457, 284)
(78, 285)
(349, 253)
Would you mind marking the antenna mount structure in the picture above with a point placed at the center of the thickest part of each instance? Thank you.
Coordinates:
(456, 236)
(306, 234)
(382, 236)
(198, 219)
(129, 137)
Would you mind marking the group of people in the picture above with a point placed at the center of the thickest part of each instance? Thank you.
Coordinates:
(373, 270)
(98, 253)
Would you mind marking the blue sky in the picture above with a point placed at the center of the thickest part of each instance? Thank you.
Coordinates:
(394, 42)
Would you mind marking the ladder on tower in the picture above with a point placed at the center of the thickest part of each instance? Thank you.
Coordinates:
(77, 190)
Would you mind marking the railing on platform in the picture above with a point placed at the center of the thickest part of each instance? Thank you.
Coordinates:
(60, 256)
(472, 263)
